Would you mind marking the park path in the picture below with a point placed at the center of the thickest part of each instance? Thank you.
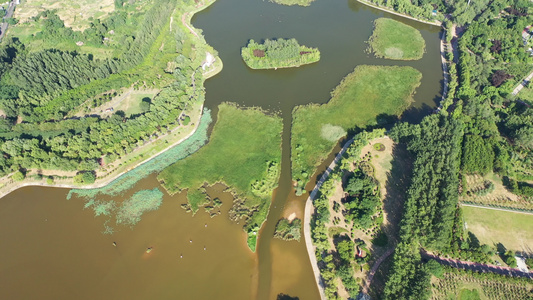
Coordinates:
(375, 269)
(473, 266)
(436, 23)
(9, 14)
(497, 208)
(522, 84)
(307, 218)
(185, 23)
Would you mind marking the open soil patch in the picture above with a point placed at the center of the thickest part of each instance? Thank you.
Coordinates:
(259, 53)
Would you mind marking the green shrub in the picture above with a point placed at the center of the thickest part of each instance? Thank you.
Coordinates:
(18, 176)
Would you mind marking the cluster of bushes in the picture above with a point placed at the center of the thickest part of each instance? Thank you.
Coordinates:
(487, 188)
(363, 199)
(338, 262)
(288, 230)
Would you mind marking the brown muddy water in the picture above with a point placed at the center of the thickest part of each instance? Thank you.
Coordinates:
(52, 248)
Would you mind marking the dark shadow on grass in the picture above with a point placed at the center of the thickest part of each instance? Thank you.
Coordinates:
(398, 180)
(414, 115)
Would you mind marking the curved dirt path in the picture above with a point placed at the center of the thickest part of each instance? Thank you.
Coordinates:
(185, 23)
(375, 268)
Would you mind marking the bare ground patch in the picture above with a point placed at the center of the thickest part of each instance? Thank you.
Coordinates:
(75, 14)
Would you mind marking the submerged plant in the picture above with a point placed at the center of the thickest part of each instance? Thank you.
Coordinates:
(131, 210)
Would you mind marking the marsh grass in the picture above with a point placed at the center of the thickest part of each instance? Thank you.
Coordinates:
(395, 40)
(244, 147)
(156, 164)
(362, 96)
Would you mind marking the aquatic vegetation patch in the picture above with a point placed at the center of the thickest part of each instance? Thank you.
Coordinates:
(131, 210)
(100, 208)
(156, 164)
(243, 152)
(197, 198)
(362, 96)
(395, 40)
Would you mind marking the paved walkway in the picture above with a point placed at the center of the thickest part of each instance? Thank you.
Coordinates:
(522, 84)
(307, 219)
(9, 14)
(473, 266)
(497, 208)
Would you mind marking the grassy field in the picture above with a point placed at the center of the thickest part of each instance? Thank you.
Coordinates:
(461, 285)
(362, 96)
(513, 230)
(75, 14)
(244, 153)
(293, 2)
(526, 94)
(394, 40)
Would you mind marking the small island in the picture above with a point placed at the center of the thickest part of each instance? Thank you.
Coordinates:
(279, 53)
(293, 2)
(288, 229)
(395, 40)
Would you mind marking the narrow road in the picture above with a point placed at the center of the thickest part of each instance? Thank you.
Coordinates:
(307, 219)
(497, 208)
(473, 266)
(522, 84)
(9, 14)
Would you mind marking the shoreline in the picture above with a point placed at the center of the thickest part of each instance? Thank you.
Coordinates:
(109, 177)
(307, 218)
(436, 23)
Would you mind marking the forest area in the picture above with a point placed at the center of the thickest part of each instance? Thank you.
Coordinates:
(44, 81)
(482, 129)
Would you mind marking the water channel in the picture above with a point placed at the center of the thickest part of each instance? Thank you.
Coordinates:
(54, 249)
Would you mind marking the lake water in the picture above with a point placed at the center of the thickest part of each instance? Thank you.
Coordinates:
(54, 249)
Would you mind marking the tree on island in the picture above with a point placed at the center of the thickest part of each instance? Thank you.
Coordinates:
(279, 53)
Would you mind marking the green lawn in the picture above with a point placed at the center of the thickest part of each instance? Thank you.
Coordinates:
(513, 230)
(363, 95)
(244, 152)
(394, 40)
